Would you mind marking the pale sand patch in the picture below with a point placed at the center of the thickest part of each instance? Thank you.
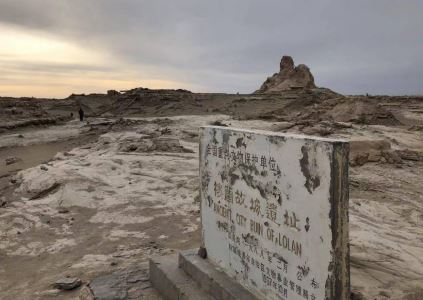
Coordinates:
(37, 248)
(92, 261)
(117, 234)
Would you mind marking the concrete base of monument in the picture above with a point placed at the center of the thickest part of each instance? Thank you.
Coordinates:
(189, 277)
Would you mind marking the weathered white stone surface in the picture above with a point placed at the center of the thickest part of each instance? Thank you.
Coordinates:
(274, 211)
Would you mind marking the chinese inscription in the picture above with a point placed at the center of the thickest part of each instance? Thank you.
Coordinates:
(262, 222)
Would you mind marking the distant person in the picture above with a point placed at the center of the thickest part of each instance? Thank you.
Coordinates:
(81, 114)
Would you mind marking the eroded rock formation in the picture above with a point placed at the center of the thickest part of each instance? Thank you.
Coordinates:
(289, 77)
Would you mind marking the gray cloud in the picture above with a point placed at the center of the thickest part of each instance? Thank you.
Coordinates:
(351, 46)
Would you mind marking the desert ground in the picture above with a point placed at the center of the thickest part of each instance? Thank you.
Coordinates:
(95, 199)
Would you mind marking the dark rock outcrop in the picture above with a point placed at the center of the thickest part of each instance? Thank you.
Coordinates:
(68, 284)
(290, 77)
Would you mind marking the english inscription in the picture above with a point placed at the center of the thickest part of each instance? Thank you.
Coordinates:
(262, 220)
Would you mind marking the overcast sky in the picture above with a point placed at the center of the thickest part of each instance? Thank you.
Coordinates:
(56, 47)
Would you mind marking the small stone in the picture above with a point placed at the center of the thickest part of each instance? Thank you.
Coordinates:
(67, 283)
(356, 296)
(165, 130)
(384, 294)
(218, 123)
(44, 168)
(12, 160)
(44, 219)
(86, 294)
(343, 124)
(319, 130)
(202, 252)
(282, 126)
(374, 156)
(410, 155)
(360, 159)
(62, 210)
(392, 157)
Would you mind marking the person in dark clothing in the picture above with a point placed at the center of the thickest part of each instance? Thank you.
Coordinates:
(81, 114)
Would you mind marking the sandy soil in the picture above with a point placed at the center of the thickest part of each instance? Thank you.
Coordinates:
(129, 190)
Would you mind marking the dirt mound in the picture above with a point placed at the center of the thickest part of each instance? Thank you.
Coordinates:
(22, 112)
(309, 110)
(137, 100)
(290, 77)
(362, 111)
(159, 144)
(364, 150)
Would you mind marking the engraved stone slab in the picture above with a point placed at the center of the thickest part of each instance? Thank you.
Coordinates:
(274, 211)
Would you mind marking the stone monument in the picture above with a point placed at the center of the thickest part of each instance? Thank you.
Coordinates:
(274, 214)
